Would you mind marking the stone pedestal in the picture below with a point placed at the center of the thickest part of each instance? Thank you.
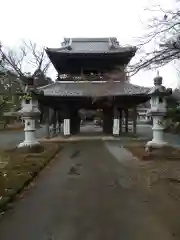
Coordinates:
(158, 133)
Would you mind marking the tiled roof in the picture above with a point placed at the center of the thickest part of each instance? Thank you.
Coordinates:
(90, 89)
(91, 45)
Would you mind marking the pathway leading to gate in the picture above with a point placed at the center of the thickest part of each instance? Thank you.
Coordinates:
(86, 193)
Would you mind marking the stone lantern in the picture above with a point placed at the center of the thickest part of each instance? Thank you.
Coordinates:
(158, 112)
(29, 113)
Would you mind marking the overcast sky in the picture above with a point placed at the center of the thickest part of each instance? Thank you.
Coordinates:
(48, 22)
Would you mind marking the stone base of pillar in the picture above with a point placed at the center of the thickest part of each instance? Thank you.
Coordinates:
(66, 128)
(116, 127)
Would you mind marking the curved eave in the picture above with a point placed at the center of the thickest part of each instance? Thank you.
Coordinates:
(138, 95)
(70, 61)
(117, 50)
(123, 101)
(92, 89)
(128, 52)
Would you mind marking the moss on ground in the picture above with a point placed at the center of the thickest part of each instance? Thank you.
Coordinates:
(18, 169)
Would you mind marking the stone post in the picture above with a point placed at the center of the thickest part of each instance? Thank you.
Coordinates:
(29, 113)
(158, 111)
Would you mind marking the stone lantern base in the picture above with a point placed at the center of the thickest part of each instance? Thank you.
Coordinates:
(157, 141)
(158, 130)
(27, 148)
(155, 144)
(28, 144)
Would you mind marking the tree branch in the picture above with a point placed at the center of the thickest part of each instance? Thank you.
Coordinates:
(163, 32)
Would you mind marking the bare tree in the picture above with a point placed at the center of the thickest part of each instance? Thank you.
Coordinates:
(162, 38)
(28, 56)
(39, 59)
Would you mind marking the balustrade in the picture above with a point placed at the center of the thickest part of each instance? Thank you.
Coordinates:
(93, 77)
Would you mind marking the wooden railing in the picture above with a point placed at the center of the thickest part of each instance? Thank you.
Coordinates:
(94, 77)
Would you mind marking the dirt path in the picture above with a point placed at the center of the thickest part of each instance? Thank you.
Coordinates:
(84, 194)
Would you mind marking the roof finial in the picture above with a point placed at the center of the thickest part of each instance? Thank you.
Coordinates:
(158, 73)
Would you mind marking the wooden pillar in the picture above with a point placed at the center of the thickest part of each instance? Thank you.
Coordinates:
(108, 120)
(126, 119)
(78, 122)
(134, 120)
(75, 122)
(47, 124)
(120, 121)
(59, 120)
(54, 122)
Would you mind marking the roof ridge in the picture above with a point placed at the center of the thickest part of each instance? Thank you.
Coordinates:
(90, 39)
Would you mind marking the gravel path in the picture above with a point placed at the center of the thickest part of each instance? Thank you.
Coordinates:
(85, 193)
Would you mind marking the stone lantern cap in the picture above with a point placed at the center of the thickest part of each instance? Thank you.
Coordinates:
(158, 80)
(29, 112)
(29, 109)
(158, 89)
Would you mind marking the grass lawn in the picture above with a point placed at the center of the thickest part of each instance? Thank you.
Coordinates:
(18, 169)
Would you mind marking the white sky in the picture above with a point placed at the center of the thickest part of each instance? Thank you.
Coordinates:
(48, 22)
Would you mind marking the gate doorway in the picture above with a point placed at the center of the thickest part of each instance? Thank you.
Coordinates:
(91, 122)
